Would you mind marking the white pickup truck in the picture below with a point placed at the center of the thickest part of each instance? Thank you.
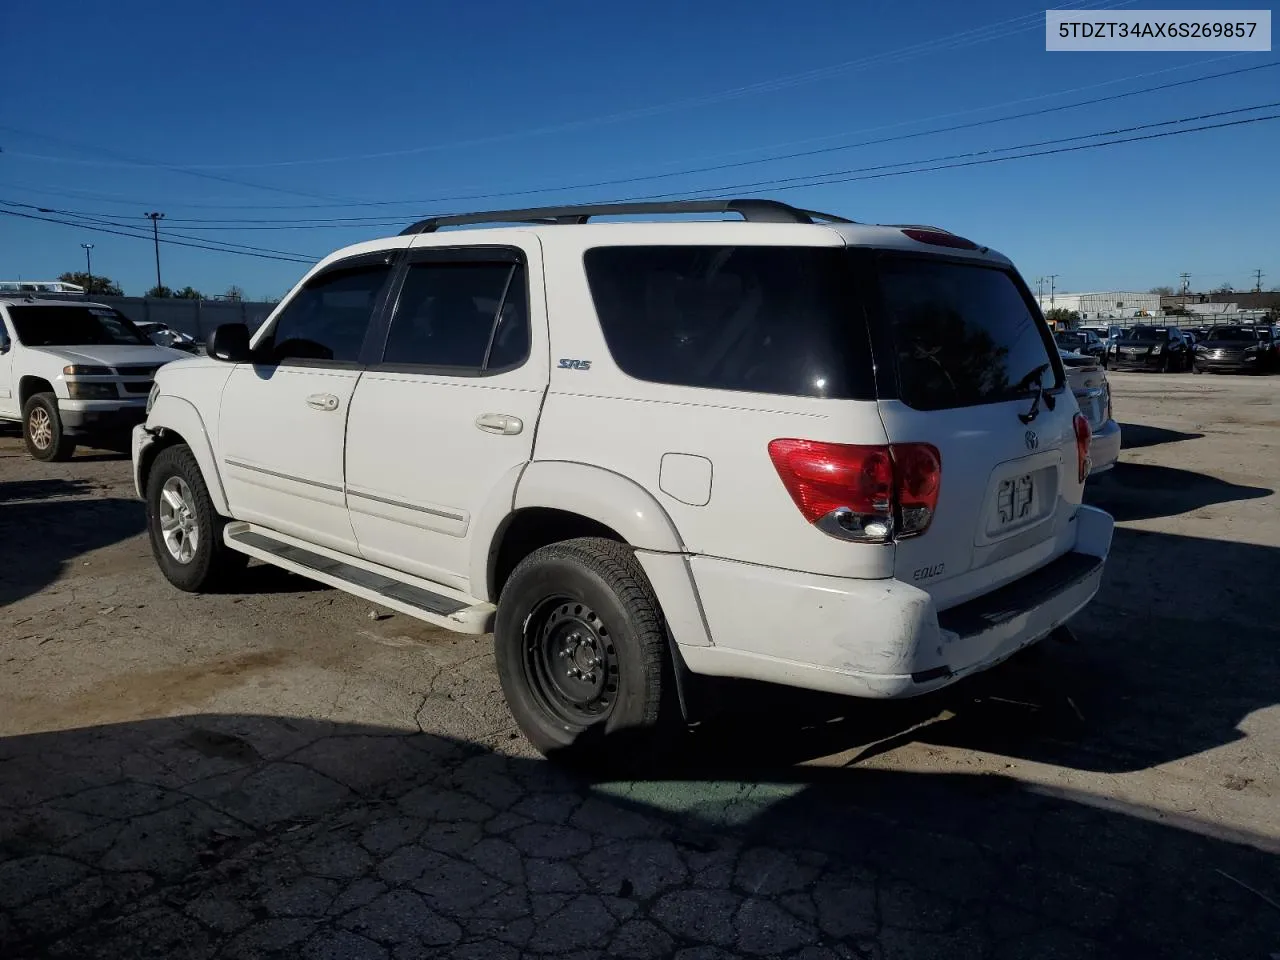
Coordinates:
(72, 370)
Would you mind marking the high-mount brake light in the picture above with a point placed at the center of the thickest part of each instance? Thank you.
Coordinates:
(939, 238)
(866, 493)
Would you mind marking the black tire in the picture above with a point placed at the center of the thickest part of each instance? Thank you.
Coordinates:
(211, 564)
(591, 598)
(42, 429)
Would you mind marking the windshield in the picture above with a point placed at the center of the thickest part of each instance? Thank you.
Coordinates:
(1070, 340)
(963, 334)
(74, 326)
(1231, 333)
(1148, 333)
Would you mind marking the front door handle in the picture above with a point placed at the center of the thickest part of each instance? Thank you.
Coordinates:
(500, 423)
(322, 401)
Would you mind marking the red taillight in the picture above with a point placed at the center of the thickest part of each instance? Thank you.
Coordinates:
(861, 492)
(939, 238)
(1084, 435)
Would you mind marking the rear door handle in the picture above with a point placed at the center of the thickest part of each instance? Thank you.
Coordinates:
(322, 401)
(500, 423)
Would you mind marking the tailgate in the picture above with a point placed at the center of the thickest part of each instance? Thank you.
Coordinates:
(977, 374)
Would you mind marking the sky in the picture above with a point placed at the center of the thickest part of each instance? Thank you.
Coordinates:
(237, 120)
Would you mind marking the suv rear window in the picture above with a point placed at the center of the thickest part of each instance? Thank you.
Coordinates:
(964, 334)
(777, 320)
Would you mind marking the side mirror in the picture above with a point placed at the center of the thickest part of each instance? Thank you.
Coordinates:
(230, 343)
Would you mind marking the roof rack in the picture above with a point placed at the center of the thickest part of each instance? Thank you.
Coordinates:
(753, 211)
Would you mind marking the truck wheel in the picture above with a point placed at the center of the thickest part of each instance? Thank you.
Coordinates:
(581, 650)
(42, 429)
(185, 530)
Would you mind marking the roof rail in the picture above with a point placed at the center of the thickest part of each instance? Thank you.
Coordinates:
(753, 211)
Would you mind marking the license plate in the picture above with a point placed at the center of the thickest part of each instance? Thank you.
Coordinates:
(1016, 499)
(1132, 350)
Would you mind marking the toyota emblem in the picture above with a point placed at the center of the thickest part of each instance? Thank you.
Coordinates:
(1032, 440)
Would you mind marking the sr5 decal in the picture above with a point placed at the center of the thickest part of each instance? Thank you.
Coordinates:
(567, 364)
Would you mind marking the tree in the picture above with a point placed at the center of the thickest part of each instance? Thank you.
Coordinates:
(1225, 288)
(159, 292)
(1062, 315)
(1163, 291)
(189, 293)
(234, 293)
(103, 286)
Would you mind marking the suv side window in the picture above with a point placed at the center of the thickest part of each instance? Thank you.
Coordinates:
(461, 314)
(328, 318)
(777, 320)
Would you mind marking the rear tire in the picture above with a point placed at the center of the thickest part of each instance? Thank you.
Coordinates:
(184, 528)
(42, 430)
(581, 650)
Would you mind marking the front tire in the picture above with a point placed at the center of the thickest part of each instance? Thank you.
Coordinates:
(581, 650)
(42, 430)
(184, 528)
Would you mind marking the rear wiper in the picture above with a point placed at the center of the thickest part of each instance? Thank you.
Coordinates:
(1034, 377)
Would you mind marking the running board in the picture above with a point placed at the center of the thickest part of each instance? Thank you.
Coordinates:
(411, 596)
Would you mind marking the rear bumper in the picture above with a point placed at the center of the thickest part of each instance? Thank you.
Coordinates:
(101, 416)
(883, 639)
(1104, 449)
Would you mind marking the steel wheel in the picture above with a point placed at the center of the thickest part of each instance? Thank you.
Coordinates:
(570, 662)
(178, 524)
(40, 428)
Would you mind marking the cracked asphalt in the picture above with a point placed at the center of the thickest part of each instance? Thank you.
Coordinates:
(277, 773)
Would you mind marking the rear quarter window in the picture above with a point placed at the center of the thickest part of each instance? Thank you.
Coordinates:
(776, 320)
(962, 334)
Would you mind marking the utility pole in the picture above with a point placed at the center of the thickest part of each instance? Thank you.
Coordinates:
(1039, 290)
(155, 219)
(1257, 281)
(88, 268)
(1186, 283)
(1053, 286)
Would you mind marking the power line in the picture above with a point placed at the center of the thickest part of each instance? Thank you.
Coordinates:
(820, 179)
(965, 38)
(138, 236)
(384, 220)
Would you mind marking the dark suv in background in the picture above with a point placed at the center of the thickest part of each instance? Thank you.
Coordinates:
(1144, 347)
(1236, 349)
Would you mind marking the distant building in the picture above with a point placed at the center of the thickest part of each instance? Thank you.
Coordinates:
(1109, 305)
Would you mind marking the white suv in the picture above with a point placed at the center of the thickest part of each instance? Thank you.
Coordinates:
(71, 371)
(836, 456)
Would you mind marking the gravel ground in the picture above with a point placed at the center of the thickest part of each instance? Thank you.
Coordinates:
(274, 773)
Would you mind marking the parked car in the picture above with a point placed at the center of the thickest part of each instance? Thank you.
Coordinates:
(1088, 381)
(1232, 349)
(73, 371)
(1107, 333)
(165, 336)
(1150, 348)
(1084, 342)
(642, 453)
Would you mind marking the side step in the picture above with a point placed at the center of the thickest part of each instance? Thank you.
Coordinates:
(411, 596)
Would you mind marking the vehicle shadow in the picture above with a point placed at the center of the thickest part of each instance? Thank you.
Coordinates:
(1144, 491)
(1134, 436)
(40, 536)
(247, 836)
